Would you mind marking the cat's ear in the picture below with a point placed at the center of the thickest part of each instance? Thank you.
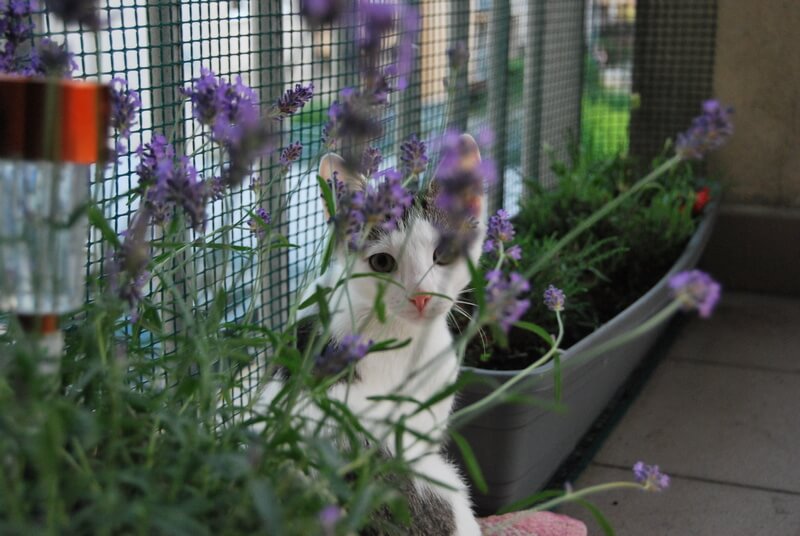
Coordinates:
(469, 160)
(331, 164)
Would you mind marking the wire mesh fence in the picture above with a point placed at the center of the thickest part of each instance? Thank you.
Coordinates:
(541, 75)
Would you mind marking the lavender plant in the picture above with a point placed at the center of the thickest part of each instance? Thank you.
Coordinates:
(146, 431)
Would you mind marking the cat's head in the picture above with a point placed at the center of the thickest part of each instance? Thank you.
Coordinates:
(428, 276)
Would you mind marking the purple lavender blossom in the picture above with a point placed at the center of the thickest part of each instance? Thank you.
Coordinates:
(650, 476)
(380, 207)
(378, 19)
(338, 355)
(48, 58)
(127, 272)
(15, 28)
(410, 20)
(554, 298)
(215, 188)
(708, 132)
(370, 161)
(207, 95)
(696, 289)
(125, 104)
(290, 153)
(514, 253)
(501, 298)
(167, 182)
(257, 223)
(75, 11)
(245, 138)
(329, 517)
(498, 232)
(413, 156)
(292, 101)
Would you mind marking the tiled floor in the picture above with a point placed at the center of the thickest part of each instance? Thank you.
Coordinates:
(721, 415)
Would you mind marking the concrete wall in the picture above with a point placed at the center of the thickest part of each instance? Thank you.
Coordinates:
(757, 70)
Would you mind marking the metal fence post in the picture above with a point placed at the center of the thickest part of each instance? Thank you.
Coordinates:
(268, 45)
(532, 91)
(498, 91)
(166, 74)
(409, 120)
(459, 32)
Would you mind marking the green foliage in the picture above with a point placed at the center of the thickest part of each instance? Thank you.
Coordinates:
(611, 264)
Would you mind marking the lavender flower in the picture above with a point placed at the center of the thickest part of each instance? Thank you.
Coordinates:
(15, 28)
(514, 252)
(207, 95)
(167, 182)
(338, 355)
(696, 290)
(498, 232)
(214, 188)
(413, 157)
(370, 161)
(378, 19)
(245, 138)
(257, 223)
(708, 132)
(290, 153)
(501, 298)
(404, 57)
(48, 58)
(554, 298)
(650, 477)
(75, 11)
(127, 272)
(329, 517)
(292, 101)
(125, 104)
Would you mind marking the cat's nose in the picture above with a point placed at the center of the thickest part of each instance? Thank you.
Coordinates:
(420, 301)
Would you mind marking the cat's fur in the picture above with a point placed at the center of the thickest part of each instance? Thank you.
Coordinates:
(419, 370)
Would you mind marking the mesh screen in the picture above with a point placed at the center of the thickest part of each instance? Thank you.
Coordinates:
(541, 73)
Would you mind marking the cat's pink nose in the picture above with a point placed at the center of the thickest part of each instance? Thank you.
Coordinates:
(420, 301)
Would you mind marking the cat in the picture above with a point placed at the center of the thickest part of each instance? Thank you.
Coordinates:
(428, 364)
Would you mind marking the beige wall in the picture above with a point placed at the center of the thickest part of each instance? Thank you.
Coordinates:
(758, 71)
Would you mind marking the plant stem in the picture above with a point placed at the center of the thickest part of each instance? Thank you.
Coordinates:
(497, 393)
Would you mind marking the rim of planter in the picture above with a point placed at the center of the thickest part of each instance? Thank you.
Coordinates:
(693, 247)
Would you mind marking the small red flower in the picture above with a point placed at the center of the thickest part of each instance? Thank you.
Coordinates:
(701, 199)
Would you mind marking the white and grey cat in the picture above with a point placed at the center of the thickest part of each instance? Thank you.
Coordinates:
(424, 367)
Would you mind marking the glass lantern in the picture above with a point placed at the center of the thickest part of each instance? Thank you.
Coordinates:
(51, 133)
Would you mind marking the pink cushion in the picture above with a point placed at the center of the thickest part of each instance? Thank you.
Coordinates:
(532, 524)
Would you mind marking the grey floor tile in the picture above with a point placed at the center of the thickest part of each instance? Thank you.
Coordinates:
(721, 423)
(746, 329)
(688, 508)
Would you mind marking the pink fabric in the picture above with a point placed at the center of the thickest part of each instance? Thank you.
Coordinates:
(532, 524)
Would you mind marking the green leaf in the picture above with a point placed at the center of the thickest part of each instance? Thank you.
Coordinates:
(538, 330)
(468, 456)
(379, 306)
(389, 344)
(99, 221)
(608, 530)
(266, 505)
(326, 256)
(327, 195)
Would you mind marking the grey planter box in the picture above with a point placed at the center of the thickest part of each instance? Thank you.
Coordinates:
(520, 445)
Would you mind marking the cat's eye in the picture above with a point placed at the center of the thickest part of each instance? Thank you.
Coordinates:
(383, 263)
(444, 254)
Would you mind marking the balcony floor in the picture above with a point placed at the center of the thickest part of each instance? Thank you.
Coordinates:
(721, 415)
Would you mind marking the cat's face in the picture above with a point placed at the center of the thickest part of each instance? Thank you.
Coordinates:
(425, 280)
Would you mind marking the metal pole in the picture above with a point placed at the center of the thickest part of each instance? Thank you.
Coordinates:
(459, 28)
(409, 119)
(498, 91)
(532, 91)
